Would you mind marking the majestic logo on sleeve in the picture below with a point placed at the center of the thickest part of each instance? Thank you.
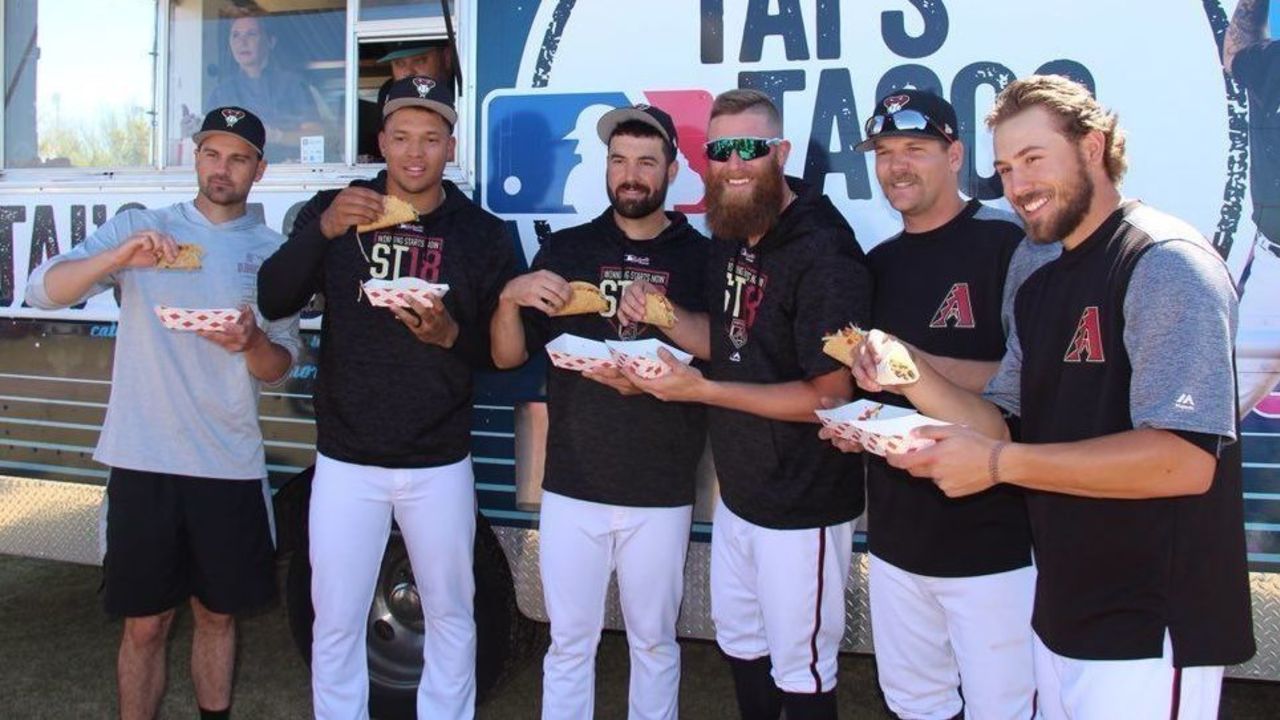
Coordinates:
(956, 306)
(1086, 342)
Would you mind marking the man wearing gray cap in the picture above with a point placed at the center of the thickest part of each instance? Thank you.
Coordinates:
(610, 506)
(187, 513)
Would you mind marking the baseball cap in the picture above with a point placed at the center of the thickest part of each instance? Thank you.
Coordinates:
(421, 91)
(232, 120)
(652, 116)
(910, 112)
(406, 49)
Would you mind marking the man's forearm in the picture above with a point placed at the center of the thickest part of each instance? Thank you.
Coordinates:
(1134, 464)
(971, 375)
(267, 361)
(692, 332)
(68, 281)
(934, 395)
(1247, 27)
(506, 336)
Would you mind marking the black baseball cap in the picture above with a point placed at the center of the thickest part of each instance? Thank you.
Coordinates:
(910, 112)
(652, 116)
(421, 91)
(407, 49)
(232, 120)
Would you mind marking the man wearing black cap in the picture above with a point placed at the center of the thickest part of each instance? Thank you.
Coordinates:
(785, 270)
(610, 505)
(951, 581)
(393, 400)
(187, 510)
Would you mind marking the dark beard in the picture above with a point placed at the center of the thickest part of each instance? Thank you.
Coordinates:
(639, 208)
(739, 220)
(1075, 200)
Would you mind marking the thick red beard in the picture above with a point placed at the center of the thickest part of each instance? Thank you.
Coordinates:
(736, 216)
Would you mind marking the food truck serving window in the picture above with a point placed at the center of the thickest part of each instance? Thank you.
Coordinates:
(79, 85)
(287, 67)
(123, 85)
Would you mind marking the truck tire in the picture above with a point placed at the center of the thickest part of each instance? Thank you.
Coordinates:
(504, 637)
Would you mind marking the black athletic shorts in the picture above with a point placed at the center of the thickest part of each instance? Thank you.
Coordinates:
(170, 537)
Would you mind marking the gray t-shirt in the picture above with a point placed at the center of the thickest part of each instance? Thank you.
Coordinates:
(180, 403)
(1180, 316)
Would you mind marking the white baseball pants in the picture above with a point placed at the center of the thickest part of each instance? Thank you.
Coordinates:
(935, 635)
(1148, 689)
(351, 511)
(581, 544)
(781, 593)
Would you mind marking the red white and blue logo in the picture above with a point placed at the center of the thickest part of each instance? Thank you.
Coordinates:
(541, 154)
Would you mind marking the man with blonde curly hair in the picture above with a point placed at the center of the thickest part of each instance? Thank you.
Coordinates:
(1114, 407)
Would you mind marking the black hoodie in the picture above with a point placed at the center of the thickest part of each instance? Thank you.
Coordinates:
(770, 306)
(602, 447)
(383, 397)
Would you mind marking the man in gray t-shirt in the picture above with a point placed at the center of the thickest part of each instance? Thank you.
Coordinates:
(187, 515)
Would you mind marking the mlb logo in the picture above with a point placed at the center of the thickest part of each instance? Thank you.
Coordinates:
(542, 155)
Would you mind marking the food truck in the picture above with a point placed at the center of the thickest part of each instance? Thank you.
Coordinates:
(100, 101)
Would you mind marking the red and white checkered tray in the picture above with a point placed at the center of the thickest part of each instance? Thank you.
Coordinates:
(386, 293)
(879, 428)
(570, 352)
(641, 356)
(193, 319)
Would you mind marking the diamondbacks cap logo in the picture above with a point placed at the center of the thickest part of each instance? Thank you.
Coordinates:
(232, 116)
(894, 103)
(1086, 342)
(955, 306)
(423, 85)
(640, 106)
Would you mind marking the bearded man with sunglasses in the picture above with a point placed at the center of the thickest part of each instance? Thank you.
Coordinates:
(393, 401)
(785, 270)
(951, 581)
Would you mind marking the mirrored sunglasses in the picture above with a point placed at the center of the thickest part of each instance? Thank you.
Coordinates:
(748, 148)
(904, 120)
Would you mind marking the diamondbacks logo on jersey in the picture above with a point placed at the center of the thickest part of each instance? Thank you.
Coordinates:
(1086, 342)
(955, 306)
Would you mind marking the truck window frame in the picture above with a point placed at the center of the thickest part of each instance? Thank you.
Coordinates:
(160, 175)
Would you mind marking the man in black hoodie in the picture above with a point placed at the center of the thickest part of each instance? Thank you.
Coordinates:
(785, 270)
(393, 399)
(610, 505)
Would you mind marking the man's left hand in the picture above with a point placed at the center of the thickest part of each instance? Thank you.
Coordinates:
(431, 324)
(614, 378)
(958, 461)
(682, 384)
(241, 336)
